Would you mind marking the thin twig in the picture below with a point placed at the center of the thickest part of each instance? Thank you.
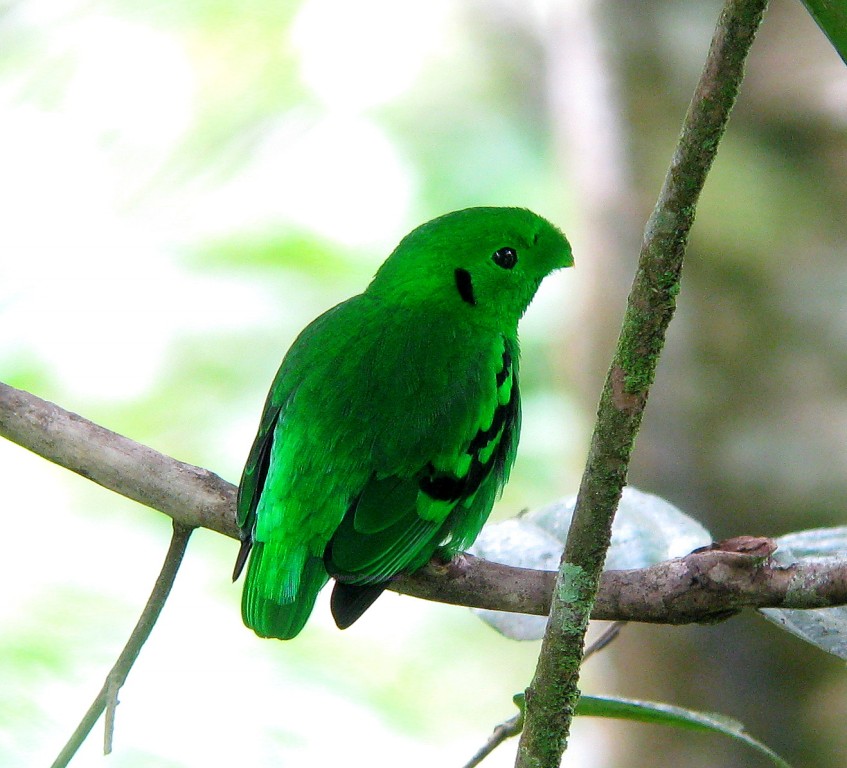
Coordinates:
(609, 635)
(552, 696)
(514, 725)
(107, 698)
(506, 730)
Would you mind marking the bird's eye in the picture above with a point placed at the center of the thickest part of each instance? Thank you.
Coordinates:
(505, 257)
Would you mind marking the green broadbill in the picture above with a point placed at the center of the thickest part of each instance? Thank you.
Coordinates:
(393, 421)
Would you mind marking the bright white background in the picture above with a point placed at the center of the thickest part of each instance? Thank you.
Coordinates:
(182, 189)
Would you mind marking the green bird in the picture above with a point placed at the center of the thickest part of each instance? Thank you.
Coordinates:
(392, 424)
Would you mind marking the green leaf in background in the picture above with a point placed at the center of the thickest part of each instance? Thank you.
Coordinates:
(666, 714)
(825, 628)
(831, 17)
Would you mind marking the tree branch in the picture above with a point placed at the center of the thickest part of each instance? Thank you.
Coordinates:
(190, 495)
(553, 694)
(701, 587)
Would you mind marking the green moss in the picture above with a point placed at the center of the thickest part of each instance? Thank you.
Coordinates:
(638, 352)
(669, 283)
(643, 338)
(576, 591)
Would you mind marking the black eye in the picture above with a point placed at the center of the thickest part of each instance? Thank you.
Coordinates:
(505, 257)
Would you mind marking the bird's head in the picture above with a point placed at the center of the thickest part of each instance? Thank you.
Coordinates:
(485, 263)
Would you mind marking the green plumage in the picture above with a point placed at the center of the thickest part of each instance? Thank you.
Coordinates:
(393, 421)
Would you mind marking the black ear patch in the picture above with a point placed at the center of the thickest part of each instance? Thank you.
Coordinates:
(505, 257)
(464, 284)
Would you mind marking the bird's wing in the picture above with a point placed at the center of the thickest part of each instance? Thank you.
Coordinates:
(305, 355)
(402, 516)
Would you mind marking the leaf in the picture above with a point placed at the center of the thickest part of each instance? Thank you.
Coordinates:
(647, 530)
(825, 628)
(831, 17)
(667, 714)
(814, 543)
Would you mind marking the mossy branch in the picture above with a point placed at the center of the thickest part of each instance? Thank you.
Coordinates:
(552, 696)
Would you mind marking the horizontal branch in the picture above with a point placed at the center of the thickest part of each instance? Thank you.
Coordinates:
(701, 587)
(190, 495)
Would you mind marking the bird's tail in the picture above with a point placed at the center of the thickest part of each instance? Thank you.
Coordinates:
(268, 613)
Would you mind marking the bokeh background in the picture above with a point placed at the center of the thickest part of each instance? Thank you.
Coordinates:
(183, 186)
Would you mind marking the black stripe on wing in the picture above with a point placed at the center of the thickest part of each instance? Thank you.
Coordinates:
(446, 486)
